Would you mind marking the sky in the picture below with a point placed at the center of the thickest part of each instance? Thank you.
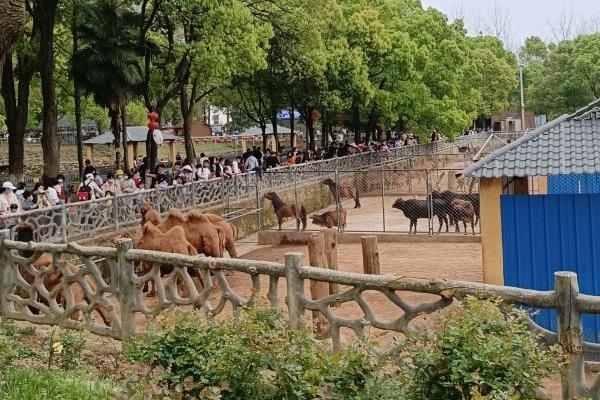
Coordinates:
(549, 19)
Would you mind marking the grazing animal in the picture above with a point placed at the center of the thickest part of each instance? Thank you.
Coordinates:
(343, 191)
(229, 230)
(283, 211)
(149, 214)
(24, 232)
(329, 219)
(172, 241)
(463, 210)
(447, 196)
(207, 238)
(418, 209)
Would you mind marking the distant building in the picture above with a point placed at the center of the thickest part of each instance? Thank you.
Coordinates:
(510, 121)
(199, 129)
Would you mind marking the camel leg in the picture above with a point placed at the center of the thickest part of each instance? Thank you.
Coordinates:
(279, 220)
(230, 246)
(472, 227)
(441, 222)
(465, 226)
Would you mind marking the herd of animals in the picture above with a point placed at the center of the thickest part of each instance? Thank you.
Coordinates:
(198, 233)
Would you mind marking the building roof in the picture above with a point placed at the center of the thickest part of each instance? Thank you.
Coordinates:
(568, 145)
(269, 131)
(134, 134)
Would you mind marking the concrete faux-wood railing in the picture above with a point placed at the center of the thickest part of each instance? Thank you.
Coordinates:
(118, 291)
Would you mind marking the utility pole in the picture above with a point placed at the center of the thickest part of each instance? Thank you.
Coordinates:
(523, 127)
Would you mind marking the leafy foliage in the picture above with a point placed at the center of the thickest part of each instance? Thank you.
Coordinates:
(254, 357)
(483, 350)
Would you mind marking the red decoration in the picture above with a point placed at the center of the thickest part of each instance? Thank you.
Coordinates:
(153, 116)
(152, 125)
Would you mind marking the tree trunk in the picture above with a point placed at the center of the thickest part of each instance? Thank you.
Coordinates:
(292, 132)
(188, 107)
(12, 21)
(125, 138)
(17, 107)
(310, 128)
(77, 94)
(356, 123)
(263, 128)
(275, 133)
(46, 12)
(115, 125)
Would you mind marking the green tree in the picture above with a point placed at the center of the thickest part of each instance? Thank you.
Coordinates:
(108, 62)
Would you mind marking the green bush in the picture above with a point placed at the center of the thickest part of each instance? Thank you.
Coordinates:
(254, 357)
(482, 351)
(35, 384)
(67, 348)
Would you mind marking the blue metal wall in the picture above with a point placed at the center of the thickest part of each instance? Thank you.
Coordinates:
(574, 183)
(549, 233)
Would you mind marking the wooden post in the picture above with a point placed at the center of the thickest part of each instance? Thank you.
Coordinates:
(89, 152)
(318, 289)
(243, 145)
(331, 255)
(126, 289)
(131, 153)
(370, 252)
(295, 289)
(171, 151)
(569, 335)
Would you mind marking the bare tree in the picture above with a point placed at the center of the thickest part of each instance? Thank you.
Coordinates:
(563, 26)
(500, 24)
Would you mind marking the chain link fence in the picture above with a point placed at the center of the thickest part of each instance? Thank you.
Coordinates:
(423, 201)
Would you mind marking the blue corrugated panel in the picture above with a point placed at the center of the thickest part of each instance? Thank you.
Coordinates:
(574, 183)
(545, 234)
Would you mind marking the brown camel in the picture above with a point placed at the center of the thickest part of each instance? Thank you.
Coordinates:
(24, 232)
(172, 241)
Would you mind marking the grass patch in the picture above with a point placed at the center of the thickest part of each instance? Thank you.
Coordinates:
(33, 384)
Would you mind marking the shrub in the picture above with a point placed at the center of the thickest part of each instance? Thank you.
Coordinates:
(253, 357)
(483, 350)
(67, 348)
(34, 384)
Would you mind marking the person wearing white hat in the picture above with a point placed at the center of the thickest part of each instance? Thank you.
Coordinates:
(8, 197)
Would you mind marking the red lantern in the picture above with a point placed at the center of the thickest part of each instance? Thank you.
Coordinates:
(152, 125)
(153, 116)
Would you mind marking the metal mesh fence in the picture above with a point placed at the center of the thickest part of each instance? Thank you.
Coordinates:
(436, 201)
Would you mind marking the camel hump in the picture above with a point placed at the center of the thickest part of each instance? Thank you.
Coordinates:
(176, 232)
(214, 217)
(196, 215)
(177, 214)
(150, 228)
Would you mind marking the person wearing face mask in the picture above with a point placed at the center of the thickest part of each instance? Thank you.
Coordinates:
(110, 187)
(41, 197)
(60, 189)
(89, 189)
(28, 203)
(52, 194)
(8, 197)
(121, 182)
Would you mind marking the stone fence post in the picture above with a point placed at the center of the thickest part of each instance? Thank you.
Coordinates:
(5, 275)
(295, 289)
(126, 289)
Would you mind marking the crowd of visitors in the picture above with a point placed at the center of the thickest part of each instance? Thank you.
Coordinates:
(50, 192)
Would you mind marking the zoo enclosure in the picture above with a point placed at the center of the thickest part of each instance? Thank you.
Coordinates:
(237, 197)
(378, 190)
(108, 279)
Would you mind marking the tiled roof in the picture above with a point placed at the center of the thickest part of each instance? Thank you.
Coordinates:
(567, 145)
(134, 134)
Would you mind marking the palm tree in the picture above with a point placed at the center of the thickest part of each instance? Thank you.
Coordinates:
(107, 64)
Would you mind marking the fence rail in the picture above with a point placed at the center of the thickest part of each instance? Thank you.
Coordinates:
(99, 290)
(79, 220)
